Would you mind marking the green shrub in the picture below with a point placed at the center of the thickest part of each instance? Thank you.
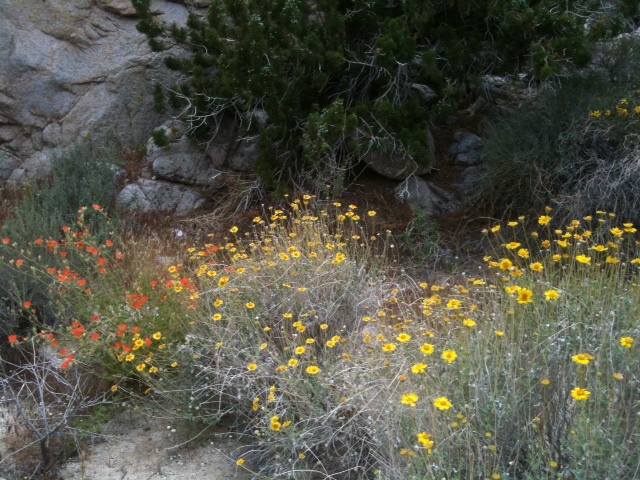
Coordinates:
(553, 151)
(335, 78)
(43, 210)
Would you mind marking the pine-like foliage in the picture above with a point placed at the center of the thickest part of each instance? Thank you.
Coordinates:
(333, 78)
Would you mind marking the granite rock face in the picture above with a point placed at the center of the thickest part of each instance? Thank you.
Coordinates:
(155, 197)
(75, 71)
(184, 162)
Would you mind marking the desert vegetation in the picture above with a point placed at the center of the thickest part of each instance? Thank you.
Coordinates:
(301, 328)
(334, 364)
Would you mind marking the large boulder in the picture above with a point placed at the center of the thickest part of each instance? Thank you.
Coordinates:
(398, 166)
(152, 197)
(76, 71)
(423, 196)
(184, 162)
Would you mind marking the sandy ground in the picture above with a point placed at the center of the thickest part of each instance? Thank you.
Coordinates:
(135, 447)
(141, 448)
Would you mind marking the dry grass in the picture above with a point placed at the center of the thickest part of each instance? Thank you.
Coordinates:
(296, 333)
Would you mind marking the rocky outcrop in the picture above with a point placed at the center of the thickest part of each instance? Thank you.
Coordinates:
(181, 176)
(426, 197)
(184, 162)
(153, 197)
(397, 166)
(74, 71)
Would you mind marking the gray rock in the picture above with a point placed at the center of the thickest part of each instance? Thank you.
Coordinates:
(195, 3)
(394, 167)
(76, 71)
(221, 146)
(173, 131)
(398, 167)
(495, 86)
(425, 92)
(8, 163)
(9, 132)
(426, 197)
(476, 106)
(466, 142)
(185, 162)
(154, 197)
(470, 158)
(245, 155)
(36, 166)
(218, 153)
(121, 7)
(469, 180)
(257, 115)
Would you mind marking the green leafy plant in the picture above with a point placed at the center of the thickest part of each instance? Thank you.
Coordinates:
(422, 236)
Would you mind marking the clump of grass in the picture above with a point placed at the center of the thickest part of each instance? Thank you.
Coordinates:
(331, 367)
(422, 236)
(274, 309)
(337, 371)
(574, 146)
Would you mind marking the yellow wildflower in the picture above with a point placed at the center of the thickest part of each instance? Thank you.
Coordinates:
(425, 440)
(427, 349)
(449, 356)
(582, 358)
(626, 342)
(442, 403)
(410, 399)
(419, 368)
(580, 394)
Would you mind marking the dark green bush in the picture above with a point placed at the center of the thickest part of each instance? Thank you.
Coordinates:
(334, 78)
